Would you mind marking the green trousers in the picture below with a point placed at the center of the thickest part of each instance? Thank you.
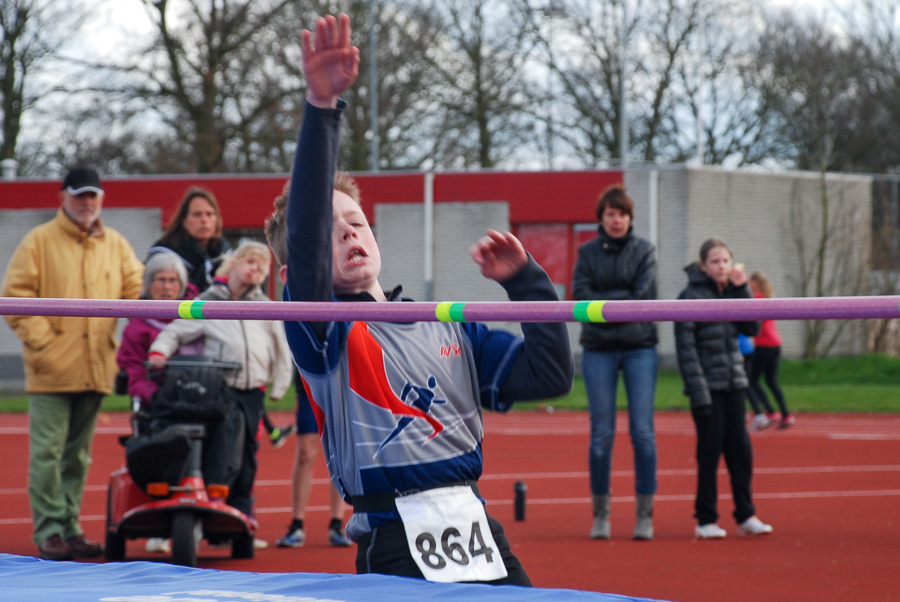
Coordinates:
(61, 428)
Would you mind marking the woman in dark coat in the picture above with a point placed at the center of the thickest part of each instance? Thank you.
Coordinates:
(715, 381)
(617, 265)
(195, 235)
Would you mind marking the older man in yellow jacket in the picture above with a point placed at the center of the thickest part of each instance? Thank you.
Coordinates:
(70, 362)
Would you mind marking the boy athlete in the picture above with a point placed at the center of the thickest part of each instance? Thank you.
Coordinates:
(399, 404)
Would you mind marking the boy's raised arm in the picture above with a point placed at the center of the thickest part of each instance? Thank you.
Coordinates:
(331, 65)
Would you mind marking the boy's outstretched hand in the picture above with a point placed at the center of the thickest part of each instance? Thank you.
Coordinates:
(500, 255)
(330, 63)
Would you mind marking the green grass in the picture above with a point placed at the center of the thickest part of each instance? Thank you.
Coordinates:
(860, 384)
(11, 403)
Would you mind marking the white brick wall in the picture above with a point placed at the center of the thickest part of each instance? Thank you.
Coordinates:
(752, 211)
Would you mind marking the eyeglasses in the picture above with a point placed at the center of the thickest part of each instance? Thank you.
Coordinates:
(167, 281)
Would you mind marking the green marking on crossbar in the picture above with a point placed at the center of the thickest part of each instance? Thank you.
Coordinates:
(589, 311)
(450, 312)
(191, 310)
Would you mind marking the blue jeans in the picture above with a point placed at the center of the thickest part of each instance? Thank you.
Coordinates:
(601, 377)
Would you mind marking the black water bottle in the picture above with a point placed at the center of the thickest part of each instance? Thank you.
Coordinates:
(520, 490)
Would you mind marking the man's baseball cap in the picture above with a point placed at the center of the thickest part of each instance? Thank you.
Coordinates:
(82, 179)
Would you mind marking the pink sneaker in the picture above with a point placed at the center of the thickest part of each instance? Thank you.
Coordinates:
(787, 422)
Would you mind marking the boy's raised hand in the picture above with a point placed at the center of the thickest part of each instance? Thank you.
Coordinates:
(500, 255)
(330, 63)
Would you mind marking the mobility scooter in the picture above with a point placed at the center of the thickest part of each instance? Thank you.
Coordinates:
(161, 491)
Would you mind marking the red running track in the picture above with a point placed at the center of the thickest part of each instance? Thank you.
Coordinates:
(830, 486)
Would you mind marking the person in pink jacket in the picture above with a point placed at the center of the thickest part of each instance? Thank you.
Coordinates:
(767, 356)
(165, 278)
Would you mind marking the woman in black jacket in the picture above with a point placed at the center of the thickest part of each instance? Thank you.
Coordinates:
(617, 265)
(195, 236)
(715, 381)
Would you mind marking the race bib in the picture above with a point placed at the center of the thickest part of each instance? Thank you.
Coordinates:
(449, 537)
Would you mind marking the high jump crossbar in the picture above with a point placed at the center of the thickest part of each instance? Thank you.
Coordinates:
(682, 310)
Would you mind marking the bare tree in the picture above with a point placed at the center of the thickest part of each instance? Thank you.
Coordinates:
(827, 224)
(31, 35)
(581, 43)
(819, 87)
(590, 45)
(885, 279)
(730, 118)
(214, 76)
(668, 33)
(405, 31)
(225, 81)
(481, 93)
(874, 25)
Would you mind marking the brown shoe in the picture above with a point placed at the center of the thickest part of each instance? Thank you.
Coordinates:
(54, 548)
(82, 547)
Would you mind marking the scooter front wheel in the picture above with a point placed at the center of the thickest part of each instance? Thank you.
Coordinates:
(187, 531)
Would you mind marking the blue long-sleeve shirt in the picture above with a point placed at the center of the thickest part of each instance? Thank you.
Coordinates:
(399, 404)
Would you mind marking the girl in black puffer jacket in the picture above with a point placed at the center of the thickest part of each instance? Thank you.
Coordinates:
(715, 381)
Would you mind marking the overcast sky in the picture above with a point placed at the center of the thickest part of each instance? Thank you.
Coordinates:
(124, 21)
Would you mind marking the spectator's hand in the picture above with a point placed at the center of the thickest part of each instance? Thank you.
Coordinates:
(156, 360)
(738, 276)
(330, 63)
(500, 255)
(702, 413)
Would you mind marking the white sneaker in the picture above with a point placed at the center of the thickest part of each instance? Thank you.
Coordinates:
(158, 545)
(294, 539)
(759, 423)
(260, 544)
(709, 531)
(754, 526)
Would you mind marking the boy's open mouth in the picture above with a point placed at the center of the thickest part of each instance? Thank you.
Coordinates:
(356, 255)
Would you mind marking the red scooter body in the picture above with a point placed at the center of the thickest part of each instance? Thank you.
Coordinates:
(186, 513)
(187, 516)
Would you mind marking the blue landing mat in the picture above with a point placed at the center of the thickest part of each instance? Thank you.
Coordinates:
(28, 579)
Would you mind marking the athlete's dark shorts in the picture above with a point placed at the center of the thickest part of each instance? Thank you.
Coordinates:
(306, 420)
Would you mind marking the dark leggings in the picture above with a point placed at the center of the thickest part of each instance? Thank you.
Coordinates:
(757, 405)
(249, 406)
(765, 362)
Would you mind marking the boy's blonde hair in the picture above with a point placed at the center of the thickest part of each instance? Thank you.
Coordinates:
(247, 249)
(276, 228)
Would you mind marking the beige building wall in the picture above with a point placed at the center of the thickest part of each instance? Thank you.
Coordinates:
(400, 231)
(769, 220)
